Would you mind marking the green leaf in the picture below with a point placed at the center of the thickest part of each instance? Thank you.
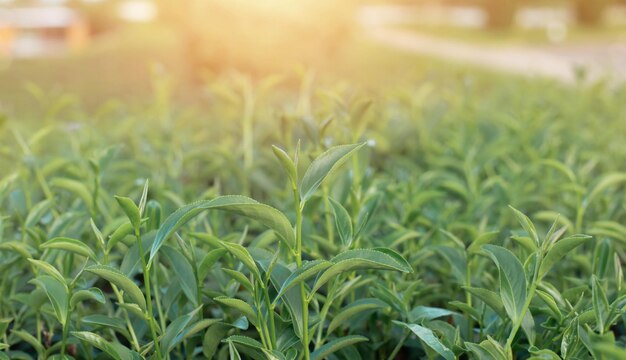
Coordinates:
(527, 225)
(212, 337)
(336, 344)
(78, 188)
(359, 306)
(144, 197)
(512, 280)
(361, 259)
(244, 340)
(58, 294)
(323, 166)
(490, 298)
(240, 278)
(93, 293)
(119, 233)
(240, 305)
(208, 261)
(131, 210)
(343, 222)
(49, 269)
(428, 337)
(97, 320)
(120, 280)
(31, 340)
(72, 245)
(174, 331)
(559, 250)
(242, 254)
(600, 303)
(419, 314)
(37, 212)
(115, 350)
(241, 205)
(306, 271)
(288, 164)
(183, 272)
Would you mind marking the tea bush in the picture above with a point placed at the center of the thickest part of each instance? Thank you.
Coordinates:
(433, 219)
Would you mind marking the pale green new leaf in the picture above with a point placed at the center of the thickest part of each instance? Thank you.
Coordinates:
(240, 305)
(343, 222)
(121, 281)
(240, 205)
(72, 245)
(49, 269)
(323, 166)
(58, 294)
(360, 259)
(559, 250)
(115, 350)
(93, 293)
(130, 209)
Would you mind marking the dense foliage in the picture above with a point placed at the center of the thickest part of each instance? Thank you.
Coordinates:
(120, 236)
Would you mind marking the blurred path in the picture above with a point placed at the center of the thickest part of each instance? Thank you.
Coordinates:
(554, 61)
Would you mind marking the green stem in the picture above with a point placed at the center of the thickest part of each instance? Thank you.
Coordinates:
(146, 281)
(529, 297)
(270, 313)
(396, 349)
(305, 304)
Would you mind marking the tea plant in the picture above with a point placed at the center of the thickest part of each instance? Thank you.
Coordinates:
(398, 246)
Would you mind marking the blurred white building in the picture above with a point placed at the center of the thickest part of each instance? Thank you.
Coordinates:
(41, 30)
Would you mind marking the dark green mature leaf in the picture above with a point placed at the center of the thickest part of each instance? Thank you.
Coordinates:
(172, 335)
(343, 222)
(72, 245)
(324, 351)
(429, 338)
(115, 350)
(183, 272)
(512, 280)
(120, 280)
(241, 205)
(346, 313)
(58, 294)
(490, 298)
(323, 166)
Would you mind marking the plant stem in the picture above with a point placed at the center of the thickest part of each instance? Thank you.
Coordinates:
(146, 281)
(396, 349)
(270, 313)
(529, 297)
(305, 304)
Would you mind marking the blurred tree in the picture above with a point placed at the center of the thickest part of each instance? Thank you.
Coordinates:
(590, 12)
(500, 13)
(259, 36)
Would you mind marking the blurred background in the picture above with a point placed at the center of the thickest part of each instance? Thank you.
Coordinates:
(100, 50)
